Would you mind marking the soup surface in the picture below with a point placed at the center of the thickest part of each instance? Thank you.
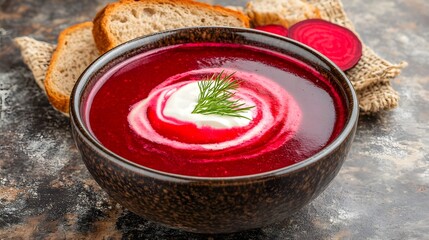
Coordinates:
(295, 111)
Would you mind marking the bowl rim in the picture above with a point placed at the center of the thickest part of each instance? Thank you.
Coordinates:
(76, 117)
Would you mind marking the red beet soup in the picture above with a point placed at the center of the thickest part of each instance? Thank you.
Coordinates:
(295, 112)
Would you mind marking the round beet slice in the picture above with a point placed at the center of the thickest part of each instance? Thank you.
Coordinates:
(273, 28)
(337, 43)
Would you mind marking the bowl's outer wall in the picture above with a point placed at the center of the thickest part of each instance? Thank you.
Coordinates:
(214, 206)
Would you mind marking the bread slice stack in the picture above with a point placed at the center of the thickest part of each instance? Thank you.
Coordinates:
(124, 20)
(79, 45)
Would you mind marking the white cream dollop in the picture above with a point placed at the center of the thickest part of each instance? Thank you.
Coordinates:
(183, 100)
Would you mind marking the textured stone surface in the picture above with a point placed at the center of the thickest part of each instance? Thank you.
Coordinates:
(382, 191)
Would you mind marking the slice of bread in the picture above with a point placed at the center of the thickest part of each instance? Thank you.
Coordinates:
(282, 12)
(75, 51)
(125, 20)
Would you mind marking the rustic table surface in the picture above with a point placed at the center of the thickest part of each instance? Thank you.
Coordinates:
(382, 191)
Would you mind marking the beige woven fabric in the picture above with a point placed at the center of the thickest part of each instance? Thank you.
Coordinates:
(36, 55)
(372, 74)
(370, 77)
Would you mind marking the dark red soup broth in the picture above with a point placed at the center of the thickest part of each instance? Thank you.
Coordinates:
(321, 107)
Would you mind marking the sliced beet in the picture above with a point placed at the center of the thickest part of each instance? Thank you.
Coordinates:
(337, 43)
(273, 28)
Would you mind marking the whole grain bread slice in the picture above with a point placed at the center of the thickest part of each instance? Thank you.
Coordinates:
(75, 51)
(125, 20)
(282, 12)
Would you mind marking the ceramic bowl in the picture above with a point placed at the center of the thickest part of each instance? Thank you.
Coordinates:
(204, 204)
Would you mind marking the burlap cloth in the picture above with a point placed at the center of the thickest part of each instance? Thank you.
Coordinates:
(370, 77)
(372, 74)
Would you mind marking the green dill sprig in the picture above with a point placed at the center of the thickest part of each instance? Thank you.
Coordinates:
(216, 94)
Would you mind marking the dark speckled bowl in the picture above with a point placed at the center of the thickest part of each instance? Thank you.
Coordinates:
(212, 205)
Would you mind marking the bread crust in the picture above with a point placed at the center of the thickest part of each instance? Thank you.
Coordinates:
(59, 100)
(105, 41)
(99, 29)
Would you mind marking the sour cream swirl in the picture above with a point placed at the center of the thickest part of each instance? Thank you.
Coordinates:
(273, 121)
